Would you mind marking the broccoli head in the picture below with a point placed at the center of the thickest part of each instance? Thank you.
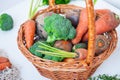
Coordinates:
(58, 28)
(6, 22)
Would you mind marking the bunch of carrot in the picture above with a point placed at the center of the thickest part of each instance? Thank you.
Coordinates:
(106, 21)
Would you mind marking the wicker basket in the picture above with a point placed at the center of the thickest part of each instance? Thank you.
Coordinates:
(68, 71)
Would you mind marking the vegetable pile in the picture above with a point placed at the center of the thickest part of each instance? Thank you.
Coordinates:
(64, 38)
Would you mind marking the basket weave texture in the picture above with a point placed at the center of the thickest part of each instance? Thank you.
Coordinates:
(62, 70)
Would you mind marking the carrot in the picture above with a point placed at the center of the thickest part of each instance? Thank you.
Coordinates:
(29, 32)
(3, 59)
(82, 27)
(4, 62)
(101, 12)
(105, 23)
(4, 65)
(82, 53)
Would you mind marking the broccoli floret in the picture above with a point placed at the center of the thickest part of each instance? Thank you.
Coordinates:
(58, 28)
(6, 22)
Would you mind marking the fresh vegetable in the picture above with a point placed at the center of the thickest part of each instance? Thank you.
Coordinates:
(3, 59)
(82, 53)
(102, 43)
(105, 23)
(33, 49)
(69, 60)
(6, 22)
(64, 45)
(29, 32)
(57, 1)
(105, 77)
(58, 28)
(79, 45)
(4, 65)
(40, 24)
(47, 52)
(73, 16)
(82, 26)
(4, 62)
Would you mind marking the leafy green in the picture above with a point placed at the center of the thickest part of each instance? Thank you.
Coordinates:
(44, 50)
(58, 28)
(33, 50)
(105, 77)
(56, 1)
(6, 22)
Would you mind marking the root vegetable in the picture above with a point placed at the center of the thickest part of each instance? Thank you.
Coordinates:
(82, 53)
(102, 43)
(4, 62)
(105, 23)
(29, 32)
(82, 26)
(3, 59)
(4, 65)
(64, 45)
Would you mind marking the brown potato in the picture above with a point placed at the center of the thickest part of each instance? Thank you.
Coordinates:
(64, 45)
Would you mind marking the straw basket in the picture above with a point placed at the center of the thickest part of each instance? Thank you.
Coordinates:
(78, 70)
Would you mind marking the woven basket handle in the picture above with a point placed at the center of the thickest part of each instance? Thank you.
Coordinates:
(51, 3)
(91, 31)
(91, 27)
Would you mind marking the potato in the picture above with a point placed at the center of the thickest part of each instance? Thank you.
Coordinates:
(64, 45)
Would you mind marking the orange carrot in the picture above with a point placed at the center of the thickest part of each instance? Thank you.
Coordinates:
(4, 65)
(101, 12)
(29, 32)
(3, 59)
(105, 23)
(82, 27)
(4, 62)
